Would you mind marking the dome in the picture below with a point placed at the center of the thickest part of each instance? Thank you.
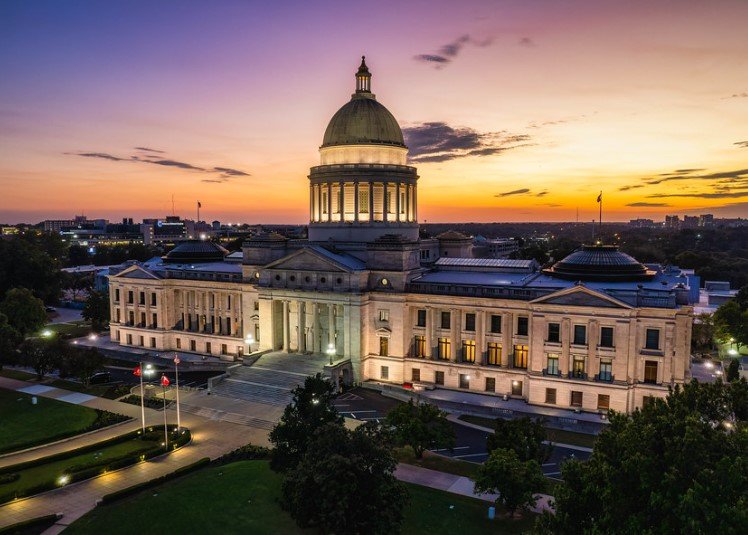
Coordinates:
(195, 251)
(600, 262)
(363, 120)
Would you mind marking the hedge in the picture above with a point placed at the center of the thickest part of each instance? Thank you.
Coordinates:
(250, 452)
(134, 489)
(33, 525)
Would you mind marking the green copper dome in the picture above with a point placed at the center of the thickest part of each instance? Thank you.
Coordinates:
(363, 120)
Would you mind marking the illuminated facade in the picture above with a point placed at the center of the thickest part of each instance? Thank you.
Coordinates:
(596, 331)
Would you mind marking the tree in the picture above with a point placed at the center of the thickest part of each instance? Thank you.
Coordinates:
(28, 261)
(310, 409)
(702, 335)
(96, 310)
(81, 362)
(41, 355)
(732, 323)
(345, 483)
(524, 435)
(514, 480)
(733, 370)
(421, 426)
(9, 341)
(25, 312)
(678, 465)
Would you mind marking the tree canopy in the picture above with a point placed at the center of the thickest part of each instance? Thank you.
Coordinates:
(524, 436)
(96, 310)
(421, 426)
(25, 312)
(514, 480)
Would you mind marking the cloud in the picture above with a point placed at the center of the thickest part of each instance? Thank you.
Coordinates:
(713, 195)
(648, 204)
(451, 50)
(744, 94)
(521, 191)
(542, 193)
(633, 186)
(741, 144)
(440, 142)
(225, 173)
(527, 42)
(687, 174)
(551, 205)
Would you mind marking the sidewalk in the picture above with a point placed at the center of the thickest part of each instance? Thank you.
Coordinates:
(456, 485)
(210, 438)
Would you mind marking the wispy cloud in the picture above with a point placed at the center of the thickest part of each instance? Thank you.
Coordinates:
(526, 41)
(521, 191)
(712, 195)
(631, 186)
(648, 204)
(741, 144)
(542, 193)
(448, 52)
(743, 94)
(440, 142)
(224, 173)
(690, 174)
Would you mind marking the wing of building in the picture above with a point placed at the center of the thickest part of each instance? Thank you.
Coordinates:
(597, 330)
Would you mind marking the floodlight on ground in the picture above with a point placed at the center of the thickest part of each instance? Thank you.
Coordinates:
(709, 365)
(732, 352)
(63, 480)
(92, 336)
(46, 333)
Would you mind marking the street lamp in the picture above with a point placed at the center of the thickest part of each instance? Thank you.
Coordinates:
(330, 351)
(249, 340)
(93, 337)
(46, 333)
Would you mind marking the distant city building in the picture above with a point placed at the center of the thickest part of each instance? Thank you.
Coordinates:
(672, 221)
(642, 223)
(690, 221)
(706, 220)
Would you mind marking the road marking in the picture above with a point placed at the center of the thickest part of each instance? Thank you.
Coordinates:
(552, 474)
(458, 448)
(549, 464)
(469, 455)
(360, 411)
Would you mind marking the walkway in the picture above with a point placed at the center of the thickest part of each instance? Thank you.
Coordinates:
(211, 438)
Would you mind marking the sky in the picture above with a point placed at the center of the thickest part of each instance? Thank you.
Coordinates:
(512, 110)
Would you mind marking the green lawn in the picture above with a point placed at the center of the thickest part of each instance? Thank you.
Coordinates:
(38, 475)
(75, 329)
(243, 497)
(23, 424)
(554, 435)
(18, 375)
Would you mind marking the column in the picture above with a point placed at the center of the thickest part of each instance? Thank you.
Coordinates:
(301, 325)
(371, 202)
(355, 201)
(565, 341)
(330, 326)
(286, 330)
(385, 203)
(454, 334)
(507, 326)
(397, 201)
(329, 201)
(315, 328)
(480, 342)
(433, 341)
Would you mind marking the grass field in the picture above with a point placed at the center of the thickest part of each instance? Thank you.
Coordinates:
(23, 424)
(18, 374)
(243, 497)
(75, 329)
(554, 435)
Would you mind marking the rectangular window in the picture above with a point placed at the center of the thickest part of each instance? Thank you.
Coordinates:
(490, 384)
(576, 398)
(153, 299)
(257, 305)
(384, 344)
(324, 202)
(606, 336)
(470, 322)
(468, 351)
(208, 348)
(128, 339)
(554, 332)
(224, 349)
(419, 346)
(415, 375)
(653, 339)
(520, 356)
(552, 366)
(384, 315)
(179, 343)
(445, 349)
(154, 321)
(130, 297)
(153, 342)
(464, 381)
(421, 319)
(550, 396)
(580, 335)
(495, 323)
(141, 341)
(446, 320)
(228, 302)
(439, 378)
(193, 345)
(577, 367)
(603, 402)
(116, 295)
(606, 370)
(384, 372)
(522, 323)
(494, 354)
(131, 318)
(650, 371)
(118, 315)
(363, 200)
(516, 388)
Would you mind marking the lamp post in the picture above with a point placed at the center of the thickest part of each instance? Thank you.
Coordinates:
(176, 372)
(249, 340)
(164, 384)
(139, 371)
(330, 351)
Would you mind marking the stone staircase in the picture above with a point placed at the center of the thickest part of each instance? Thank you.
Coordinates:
(269, 379)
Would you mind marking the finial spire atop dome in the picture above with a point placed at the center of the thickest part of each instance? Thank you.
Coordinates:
(363, 78)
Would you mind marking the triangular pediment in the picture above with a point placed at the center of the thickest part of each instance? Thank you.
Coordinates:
(581, 296)
(135, 272)
(307, 260)
(383, 331)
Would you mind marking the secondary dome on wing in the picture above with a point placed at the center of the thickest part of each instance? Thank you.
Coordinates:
(600, 262)
(194, 251)
(363, 120)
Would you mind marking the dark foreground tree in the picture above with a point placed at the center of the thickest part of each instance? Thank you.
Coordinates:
(25, 312)
(10, 339)
(81, 362)
(310, 409)
(421, 426)
(42, 355)
(524, 435)
(345, 483)
(514, 480)
(678, 465)
(96, 310)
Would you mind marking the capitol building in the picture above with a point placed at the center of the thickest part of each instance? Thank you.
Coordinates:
(375, 303)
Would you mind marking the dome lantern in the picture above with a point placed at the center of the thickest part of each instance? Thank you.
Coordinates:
(363, 78)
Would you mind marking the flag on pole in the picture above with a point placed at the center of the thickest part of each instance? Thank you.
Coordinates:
(165, 380)
(600, 197)
(137, 372)
(199, 204)
(176, 359)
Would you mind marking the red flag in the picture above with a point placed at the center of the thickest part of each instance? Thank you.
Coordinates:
(136, 372)
(164, 380)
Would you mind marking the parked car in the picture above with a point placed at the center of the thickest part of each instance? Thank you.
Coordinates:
(50, 309)
(101, 378)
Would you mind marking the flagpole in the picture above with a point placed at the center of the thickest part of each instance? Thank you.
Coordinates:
(166, 428)
(600, 219)
(198, 211)
(176, 371)
(142, 399)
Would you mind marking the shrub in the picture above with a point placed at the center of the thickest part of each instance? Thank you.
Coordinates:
(9, 478)
(250, 452)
